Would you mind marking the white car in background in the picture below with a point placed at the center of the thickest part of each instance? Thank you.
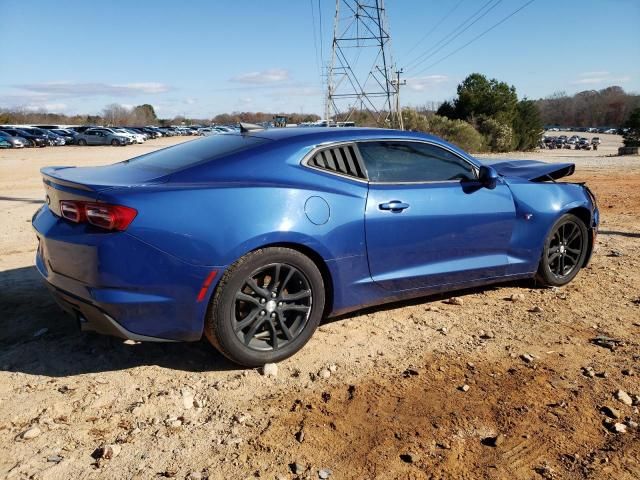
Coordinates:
(125, 133)
(138, 137)
(206, 132)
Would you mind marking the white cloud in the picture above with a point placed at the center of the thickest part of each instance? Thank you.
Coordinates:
(55, 107)
(594, 74)
(420, 84)
(599, 78)
(272, 75)
(47, 107)
(79, 89)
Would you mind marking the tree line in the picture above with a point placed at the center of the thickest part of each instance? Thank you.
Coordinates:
(609, 107)
(486, 115)
(141, 115)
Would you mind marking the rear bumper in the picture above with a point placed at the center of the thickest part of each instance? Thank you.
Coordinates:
(118, 285)
(92, 319)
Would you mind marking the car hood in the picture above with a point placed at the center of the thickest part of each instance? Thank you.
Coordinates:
(532, 170)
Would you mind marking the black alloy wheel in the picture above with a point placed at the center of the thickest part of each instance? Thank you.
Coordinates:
(266, 306)
(564, 252)
(272, 307)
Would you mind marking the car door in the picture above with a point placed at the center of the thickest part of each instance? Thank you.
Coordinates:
(428, 220)
(91, 137)
(102, 137)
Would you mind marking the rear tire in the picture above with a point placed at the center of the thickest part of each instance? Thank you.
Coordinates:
(564, 252)
(266, 307)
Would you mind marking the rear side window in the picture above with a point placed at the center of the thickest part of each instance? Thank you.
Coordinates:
(341, 159)
(197, 151)
(405, 161)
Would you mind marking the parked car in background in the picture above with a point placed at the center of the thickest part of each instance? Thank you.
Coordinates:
(68, 135)
(134, 137)
(205, 132)
(34, 140)
(101, 136)
(595, 141)
(46, 127)
(55, 140)
(137, 131)
(151, 132)
(583, 144)
(117, 131)
(5, 143)
(140, 138)
(167, 132)
(250, 239)
(15, 142)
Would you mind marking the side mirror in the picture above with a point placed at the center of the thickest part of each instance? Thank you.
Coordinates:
(488, 177)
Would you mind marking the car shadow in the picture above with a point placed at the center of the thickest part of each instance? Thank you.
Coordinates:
(38, 338)
(433, 298)
(22, 199)
(621, 234)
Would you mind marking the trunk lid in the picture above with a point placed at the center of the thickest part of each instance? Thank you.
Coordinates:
(86, 183)
(532, 170)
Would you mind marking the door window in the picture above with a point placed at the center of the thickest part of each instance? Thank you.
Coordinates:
(402, 161)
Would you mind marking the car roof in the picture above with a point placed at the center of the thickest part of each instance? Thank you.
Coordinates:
(331, 133)
(318, 135)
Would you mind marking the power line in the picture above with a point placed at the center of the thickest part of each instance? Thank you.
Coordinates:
(435, 27)
(477, 15)
(475, 38)
(321, 34)
(315, 39)
(431, 52)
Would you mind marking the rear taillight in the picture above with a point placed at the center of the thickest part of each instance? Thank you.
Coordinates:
(73, 211)
(103, 215)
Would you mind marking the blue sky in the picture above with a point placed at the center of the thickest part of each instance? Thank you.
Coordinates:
(201, 58)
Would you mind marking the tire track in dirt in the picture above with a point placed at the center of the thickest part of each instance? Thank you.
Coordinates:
(423, 426)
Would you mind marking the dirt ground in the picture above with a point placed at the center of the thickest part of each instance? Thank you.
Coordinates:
(513, 383)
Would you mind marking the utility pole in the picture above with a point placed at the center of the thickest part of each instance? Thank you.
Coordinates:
(397, 83)
(360, 77)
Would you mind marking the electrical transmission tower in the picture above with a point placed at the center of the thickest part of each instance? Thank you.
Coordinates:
(360, 76)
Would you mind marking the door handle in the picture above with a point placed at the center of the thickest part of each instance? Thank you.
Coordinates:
(394, 206)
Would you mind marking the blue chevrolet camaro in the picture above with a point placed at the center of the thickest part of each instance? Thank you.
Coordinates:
(252, 238)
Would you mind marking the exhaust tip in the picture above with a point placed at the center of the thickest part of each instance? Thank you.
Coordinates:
(82, 321)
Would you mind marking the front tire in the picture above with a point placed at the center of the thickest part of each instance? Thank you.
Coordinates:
(266, 306)
(564, 252)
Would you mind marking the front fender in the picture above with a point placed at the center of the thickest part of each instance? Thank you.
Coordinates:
(538, 206)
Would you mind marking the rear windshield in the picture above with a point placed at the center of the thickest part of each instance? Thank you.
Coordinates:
(194, 152)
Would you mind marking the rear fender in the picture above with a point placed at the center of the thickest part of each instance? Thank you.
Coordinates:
(216, 226)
